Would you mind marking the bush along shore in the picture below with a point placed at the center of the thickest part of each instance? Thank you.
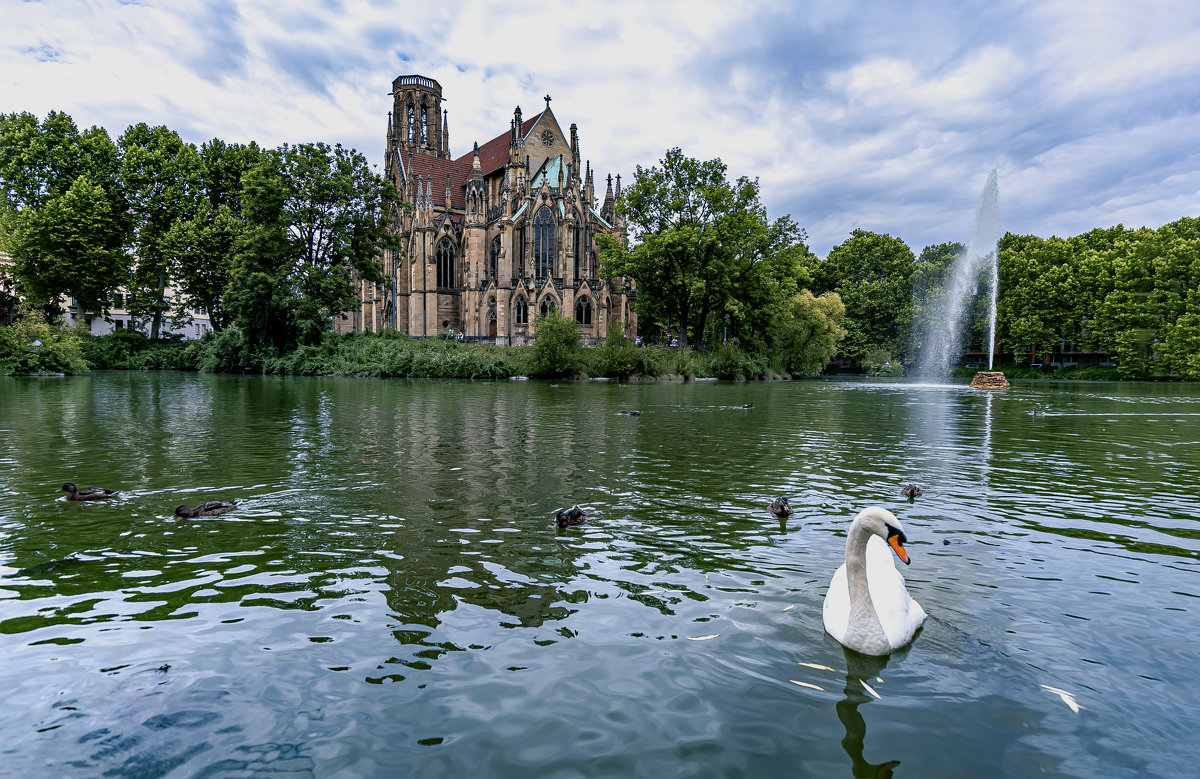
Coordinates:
(556, 354)
(32, 347)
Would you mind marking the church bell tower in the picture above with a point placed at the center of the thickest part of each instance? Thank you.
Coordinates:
(418, 122)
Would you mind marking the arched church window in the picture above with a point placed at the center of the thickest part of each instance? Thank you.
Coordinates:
(445, 263)
(412, 124)
(521, 312)
(494, 260)
(546, 307)
(424, 125)
(583, 311)
(543, 243)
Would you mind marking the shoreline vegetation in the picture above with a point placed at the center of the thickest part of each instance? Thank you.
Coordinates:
(166, 231)
(65, 350)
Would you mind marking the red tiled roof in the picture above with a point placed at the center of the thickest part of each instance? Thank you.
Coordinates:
(494, 154)
(437, 169)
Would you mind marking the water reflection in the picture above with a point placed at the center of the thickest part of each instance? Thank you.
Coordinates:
(392, 593)
(862, 672)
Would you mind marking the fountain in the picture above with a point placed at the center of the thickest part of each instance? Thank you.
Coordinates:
(945, 329)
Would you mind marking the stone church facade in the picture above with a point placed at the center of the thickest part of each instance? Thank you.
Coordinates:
(495, 237)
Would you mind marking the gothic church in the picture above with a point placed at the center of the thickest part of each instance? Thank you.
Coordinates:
(495, 237)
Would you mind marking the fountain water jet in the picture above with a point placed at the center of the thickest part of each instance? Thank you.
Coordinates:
(944, 333)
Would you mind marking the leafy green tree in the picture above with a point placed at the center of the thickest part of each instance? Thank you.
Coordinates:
(161, 176)
(62, 216)
(39, 161)
(706, 257)
(872, 274)
(556, 350)
(809, 333)
(931, 279)
(71, 245)
(200, 253)
(314, 216)
(200, 248)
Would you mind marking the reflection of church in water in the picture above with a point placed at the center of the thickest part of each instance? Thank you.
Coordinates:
(495, 237)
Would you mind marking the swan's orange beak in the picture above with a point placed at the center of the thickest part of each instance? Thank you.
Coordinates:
(894, 540)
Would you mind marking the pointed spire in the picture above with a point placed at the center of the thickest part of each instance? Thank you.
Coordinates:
(447, 191)
(446, 132)
(476, 167)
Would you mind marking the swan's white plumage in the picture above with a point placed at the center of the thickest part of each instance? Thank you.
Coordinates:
(891, 617)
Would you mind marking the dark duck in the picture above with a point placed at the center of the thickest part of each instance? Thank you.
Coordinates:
(780, 507)
(910, 491)
(88, 493)
(209, 509)
(571, 516)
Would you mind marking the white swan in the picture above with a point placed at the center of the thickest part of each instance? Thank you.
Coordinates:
(868, 608)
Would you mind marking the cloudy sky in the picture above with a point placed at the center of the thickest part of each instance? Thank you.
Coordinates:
(885, 116)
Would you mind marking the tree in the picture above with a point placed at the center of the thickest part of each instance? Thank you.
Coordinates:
(931, 279)
(705, 254)
(555, 346)
(808, 335)
(72, 246)
(200, 250)
(873, 275)
(62, 214)
(39, 161)
(314, 216)
(200, 258)
(160, 175)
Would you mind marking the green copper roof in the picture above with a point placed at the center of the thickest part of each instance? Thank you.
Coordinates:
(549, 172)
(596, 214)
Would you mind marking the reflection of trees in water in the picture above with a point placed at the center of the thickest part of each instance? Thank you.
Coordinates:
(859, 669)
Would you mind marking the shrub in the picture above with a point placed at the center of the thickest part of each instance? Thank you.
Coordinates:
(31, 345)
(879, 362)
(556, 349)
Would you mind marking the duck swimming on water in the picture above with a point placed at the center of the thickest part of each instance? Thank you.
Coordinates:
(209, 509)
(911, 491)
(780, 507)
(88, 493)
(571, 516)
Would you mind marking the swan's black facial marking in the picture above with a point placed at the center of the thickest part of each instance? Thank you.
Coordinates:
(896, 540)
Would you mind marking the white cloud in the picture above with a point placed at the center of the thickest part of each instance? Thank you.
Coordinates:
(871, 115)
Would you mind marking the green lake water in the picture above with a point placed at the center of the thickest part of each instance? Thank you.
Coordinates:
(392, 597)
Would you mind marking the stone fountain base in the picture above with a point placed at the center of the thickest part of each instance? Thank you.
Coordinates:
(989, 380)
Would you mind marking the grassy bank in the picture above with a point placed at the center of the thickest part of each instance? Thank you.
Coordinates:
(394, 355)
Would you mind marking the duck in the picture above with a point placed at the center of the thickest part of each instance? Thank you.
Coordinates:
(629, 413)
(911, 491)
(868, 608)
(780, 507)
(88, 493)
(571, 516)
(748, 406)
(209, 509)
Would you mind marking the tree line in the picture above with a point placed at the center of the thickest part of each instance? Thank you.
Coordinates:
(710, 267)
(265, 241)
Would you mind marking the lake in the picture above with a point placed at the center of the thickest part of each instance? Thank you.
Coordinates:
(392, 597)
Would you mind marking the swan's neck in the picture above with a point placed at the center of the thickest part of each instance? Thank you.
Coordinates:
(864, 621)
